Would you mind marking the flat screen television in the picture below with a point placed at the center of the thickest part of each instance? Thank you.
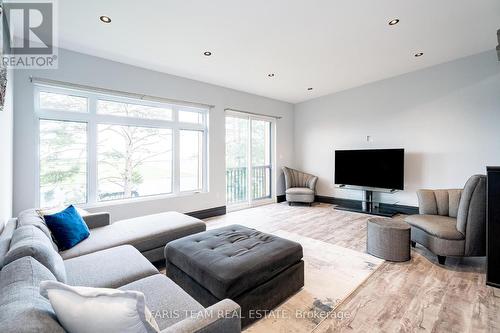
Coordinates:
(378, 168)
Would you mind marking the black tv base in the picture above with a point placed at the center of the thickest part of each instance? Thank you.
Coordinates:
(367, 206)
(373, 211)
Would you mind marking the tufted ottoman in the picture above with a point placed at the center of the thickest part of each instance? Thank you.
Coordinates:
(256, 270)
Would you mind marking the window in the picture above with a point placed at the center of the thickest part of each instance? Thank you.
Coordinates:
(97, 148)
(191, 160)
(190, 117)
(133, 161)
(63, 102)
(63, 162)
(133, 110)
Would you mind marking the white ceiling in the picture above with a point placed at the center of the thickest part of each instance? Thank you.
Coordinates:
(330, 45)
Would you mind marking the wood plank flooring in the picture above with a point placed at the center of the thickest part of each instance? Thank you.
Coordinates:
(415, 296)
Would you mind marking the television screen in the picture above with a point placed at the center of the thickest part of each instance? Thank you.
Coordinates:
(381, 168)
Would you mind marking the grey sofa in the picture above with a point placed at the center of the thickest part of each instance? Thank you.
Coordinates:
(28, 256)
(452, 222)
(300, 186)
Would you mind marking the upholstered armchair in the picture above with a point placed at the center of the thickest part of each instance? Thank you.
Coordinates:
(300, 186)
(452, 222)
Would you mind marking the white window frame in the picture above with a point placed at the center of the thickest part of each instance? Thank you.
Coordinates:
(93, 119)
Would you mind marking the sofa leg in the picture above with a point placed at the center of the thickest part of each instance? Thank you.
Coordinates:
(289, 203)
(413, 244)
(441, 260)
(310, 204)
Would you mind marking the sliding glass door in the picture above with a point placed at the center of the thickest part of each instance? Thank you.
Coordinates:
(248, 160)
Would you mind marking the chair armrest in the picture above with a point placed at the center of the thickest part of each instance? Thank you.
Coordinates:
(96, 220)
(312, 183)
(288, 178)
(224, 316)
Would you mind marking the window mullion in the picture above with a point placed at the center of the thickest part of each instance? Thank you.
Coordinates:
(176, 153)
(92, 153)
(204, 161)
(205, 153)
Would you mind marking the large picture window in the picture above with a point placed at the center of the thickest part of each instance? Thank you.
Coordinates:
(133, 161)
(97, 148)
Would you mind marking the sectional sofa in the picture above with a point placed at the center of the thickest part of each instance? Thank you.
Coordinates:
(114, 256)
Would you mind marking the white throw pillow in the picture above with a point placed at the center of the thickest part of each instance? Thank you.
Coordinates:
(95, 310)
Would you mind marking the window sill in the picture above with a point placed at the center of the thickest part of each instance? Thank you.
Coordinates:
(140, 199)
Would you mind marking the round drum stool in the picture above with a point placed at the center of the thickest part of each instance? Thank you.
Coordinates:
(388, 239)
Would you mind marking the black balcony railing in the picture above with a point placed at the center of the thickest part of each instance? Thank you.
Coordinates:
(237, 184)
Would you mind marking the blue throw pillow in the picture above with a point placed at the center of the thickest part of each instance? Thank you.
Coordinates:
(67, 227)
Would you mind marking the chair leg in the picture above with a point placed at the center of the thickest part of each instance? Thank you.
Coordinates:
(413, 244)
(441, 260)
(310, 204)
(289, 203)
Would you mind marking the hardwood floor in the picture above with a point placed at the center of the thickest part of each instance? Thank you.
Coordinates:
(418, 295)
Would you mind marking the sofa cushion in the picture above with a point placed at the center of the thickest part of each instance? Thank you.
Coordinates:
(167, 301)
(5, 238)
(299, 191)
(144, 233)
(30, 241)
(22, 308)
(436, 225)
(96, 220)
(110, 268)
(67, 227)
(31, 217)
(439, 202)
(92, 220)
(231, 260)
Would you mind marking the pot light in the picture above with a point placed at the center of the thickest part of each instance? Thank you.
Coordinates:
(394, 22)
(419, 54)
(207, 53)
(270, 74)
(105, 19)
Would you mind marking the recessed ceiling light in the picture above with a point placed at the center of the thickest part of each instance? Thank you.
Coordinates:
(419, 54)
(270, 74)
(207, 53)
(105, 19)
(394, 22)
(309, 89)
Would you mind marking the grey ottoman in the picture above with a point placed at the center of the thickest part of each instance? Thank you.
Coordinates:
(388, 239)
(256, 270)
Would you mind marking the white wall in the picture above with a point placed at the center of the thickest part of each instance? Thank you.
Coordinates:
(447, 117)
(6, 136)
(92, 71)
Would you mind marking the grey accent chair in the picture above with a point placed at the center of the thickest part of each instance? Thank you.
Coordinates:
(452, 222)
(300, 186)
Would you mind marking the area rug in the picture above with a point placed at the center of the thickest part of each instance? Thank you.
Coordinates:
(332, 273)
